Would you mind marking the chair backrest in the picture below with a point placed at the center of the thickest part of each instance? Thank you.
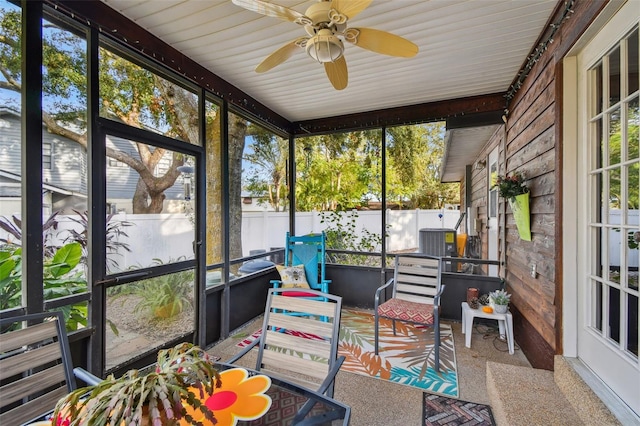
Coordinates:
(308, 250)
(35, 366)
(293, 346)
(417, 278)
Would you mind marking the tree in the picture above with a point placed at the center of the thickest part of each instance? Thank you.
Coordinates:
(337, 171)
(137, 97)
(268, 180)
(414, 160)
(128, 93)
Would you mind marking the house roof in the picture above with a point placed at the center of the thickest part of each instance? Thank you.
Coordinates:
(466, 49)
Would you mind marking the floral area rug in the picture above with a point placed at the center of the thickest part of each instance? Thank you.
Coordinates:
(406, 358)
(440, 410)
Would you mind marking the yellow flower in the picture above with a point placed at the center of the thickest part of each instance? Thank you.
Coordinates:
(239, 398)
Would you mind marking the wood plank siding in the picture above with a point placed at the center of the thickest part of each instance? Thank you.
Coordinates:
(530, 143)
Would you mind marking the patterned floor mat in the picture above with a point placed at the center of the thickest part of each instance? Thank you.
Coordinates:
(406, 358)
(440, 410)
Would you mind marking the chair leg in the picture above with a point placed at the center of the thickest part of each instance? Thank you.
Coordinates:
(436, 330)
(376, 327)
(394, 326)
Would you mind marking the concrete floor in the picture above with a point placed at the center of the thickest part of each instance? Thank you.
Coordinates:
(378, 402)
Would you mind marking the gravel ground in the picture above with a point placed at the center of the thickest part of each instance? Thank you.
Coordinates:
(137, 332)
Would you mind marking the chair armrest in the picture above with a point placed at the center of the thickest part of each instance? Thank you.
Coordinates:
(331, 375)
(379, 292)
(436, 298)
(326, 385)
(243, 352)
(86, 377)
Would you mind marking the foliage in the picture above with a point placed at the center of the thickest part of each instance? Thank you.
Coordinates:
(128, 92)
(114, 234)
(414, 162)
(60, 274)
(337, 171)
(165, 296)
(13, 227)
(60, 279)
(510, 186)
(499, 297)
(160, 395)
(341, 234)
(268, 155)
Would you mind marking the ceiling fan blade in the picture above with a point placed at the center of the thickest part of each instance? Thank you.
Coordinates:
(381, 42)
(280, 55)
(269, 9)
(350, 8)
(337, 73)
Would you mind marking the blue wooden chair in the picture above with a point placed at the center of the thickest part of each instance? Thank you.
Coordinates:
(306, 251)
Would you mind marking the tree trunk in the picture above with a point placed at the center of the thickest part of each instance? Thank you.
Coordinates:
(237, 132)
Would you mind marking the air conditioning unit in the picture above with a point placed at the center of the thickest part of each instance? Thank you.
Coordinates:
(438, 242)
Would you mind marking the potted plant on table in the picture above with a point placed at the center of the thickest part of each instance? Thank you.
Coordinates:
(157, 398)
(499, 301)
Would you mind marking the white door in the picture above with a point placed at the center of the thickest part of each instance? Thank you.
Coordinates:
(492, 212)
(608, 204)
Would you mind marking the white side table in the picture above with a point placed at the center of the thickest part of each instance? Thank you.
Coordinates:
(505, 323)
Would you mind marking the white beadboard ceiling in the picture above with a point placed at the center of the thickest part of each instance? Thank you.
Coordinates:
(466, 48)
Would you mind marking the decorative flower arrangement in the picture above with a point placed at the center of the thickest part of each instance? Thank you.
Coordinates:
(510, 186)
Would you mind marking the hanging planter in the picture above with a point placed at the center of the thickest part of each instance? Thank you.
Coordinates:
(520, 208)
(516, 192)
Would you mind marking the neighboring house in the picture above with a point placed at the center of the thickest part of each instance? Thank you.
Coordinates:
(572, 130)
(64, 169)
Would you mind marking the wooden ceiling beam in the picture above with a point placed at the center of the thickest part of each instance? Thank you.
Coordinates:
(483, 109)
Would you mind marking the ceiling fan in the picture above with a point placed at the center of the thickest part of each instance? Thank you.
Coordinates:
(326, 25)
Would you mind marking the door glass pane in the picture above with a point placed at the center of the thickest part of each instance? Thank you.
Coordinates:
(600, 150)
(614, 77)
(614, 137)
(144, 315)
(10, 155)
(138, 97)
(632, 62)
(633, 123)
(614, 314)
(597, 307)
(597, 76)
(156, 209)
(632, 332)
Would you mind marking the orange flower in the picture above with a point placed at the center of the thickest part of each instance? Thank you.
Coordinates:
(239, 398)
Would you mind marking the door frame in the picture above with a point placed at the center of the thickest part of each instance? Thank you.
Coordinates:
(493, 234)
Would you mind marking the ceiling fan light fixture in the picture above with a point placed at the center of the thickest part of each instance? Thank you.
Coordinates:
(325, 46)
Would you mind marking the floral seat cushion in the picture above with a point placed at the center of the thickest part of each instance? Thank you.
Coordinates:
(407, 311)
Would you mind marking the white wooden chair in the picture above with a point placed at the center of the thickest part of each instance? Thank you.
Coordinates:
(296, 343)
(415, 296)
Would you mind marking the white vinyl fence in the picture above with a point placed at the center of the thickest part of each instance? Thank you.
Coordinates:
(170, 236)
